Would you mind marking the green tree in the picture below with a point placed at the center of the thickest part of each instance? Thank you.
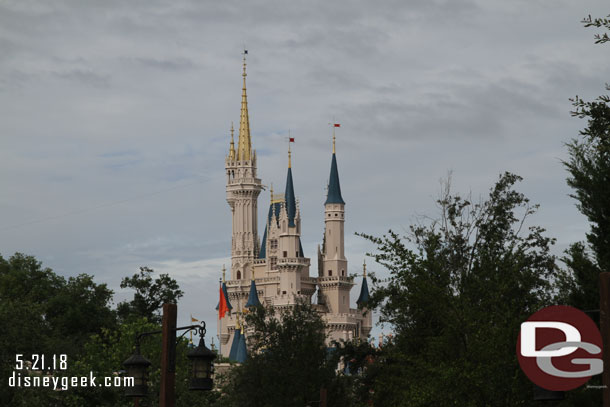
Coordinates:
(288, 362)
(150, 295)
(589, 169)
(459, 288)
(43, 313)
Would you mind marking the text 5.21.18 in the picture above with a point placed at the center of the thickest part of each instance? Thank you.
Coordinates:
(41, 362)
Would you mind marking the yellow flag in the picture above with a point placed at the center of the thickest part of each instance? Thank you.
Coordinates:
(194, 319)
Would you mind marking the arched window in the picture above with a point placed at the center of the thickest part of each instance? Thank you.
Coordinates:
(330, 273)
(238, 275)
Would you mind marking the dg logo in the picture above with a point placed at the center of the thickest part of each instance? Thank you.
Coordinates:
(559, 348)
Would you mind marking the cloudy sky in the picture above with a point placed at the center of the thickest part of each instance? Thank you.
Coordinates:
(115, 117)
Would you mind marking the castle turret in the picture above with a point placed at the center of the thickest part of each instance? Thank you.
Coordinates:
(291, 262)
(243, 188)
(335, 285)
(363, 304)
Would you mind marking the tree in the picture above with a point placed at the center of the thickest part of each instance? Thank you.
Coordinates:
(459, 288)
(150, 295)
(43, 313)
(288, 362)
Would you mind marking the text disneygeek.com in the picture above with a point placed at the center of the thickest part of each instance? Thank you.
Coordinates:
(34, 372)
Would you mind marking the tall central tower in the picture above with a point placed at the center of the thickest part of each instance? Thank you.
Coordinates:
(243, 188)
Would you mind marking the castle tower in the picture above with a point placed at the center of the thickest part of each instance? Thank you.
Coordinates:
(291, 264)
(243, 188)
(335, 285)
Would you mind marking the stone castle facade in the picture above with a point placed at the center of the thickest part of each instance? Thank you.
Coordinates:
(274, 270)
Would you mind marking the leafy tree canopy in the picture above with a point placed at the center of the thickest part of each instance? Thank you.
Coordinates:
(150, 295)
(459, 287)
(288, 362)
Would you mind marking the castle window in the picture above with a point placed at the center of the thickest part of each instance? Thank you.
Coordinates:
(238, 275)
(330, 273)
(336, 214)
(273, 261)
(285, 253)
(273, 244)
(343, 273)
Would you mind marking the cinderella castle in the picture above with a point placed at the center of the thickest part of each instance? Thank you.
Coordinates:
(273, 271)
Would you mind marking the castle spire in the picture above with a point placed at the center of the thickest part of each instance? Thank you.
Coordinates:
(334, 188)
(244, 143)
(289, 154)
(291, 204)
(232, 145)
(364, 289)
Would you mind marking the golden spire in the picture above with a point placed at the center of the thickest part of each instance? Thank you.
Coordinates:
(223, 273)
(232, 148)
(334, 138)
(364, 268)
(245, 145)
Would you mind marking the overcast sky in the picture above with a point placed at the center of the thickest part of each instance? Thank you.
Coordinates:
(115, 117)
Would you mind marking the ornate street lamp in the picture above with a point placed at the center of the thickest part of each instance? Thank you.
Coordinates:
(202, 367)
(137, 367)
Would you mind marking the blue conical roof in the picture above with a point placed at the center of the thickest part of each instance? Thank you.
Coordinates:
(242, 351)
(234, 345)
(274, 211)
(253, 296)
(334, 188)
(291, 203)
(364, 293)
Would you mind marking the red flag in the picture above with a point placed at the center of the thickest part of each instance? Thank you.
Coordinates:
(222, 305)
(291, 139)
(337, 125)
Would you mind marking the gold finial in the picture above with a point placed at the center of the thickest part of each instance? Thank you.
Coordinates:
(237, 324)
(245, 144)
(289, 154)
(223, 273)
(334, 138)
(244, 74)
(271, 190)
(364, 268)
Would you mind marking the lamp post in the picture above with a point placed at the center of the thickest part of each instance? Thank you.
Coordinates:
(202, 367)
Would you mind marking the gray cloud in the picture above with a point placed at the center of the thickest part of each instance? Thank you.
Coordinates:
(114, 119)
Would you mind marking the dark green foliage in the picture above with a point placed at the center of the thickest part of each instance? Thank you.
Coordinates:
(288, 362)
(598, 22)
(589, 168)
(43, 313)
(104, 355)
(578, 285)
(459, 288)
(150, 295)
